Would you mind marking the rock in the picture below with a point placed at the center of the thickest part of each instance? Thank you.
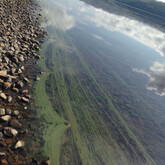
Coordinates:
(15, 112)
(9, 99)
(25, 99)
(15, 124)
(3, 96)
(26, 80)
(15, 90)
(5, 118)
(3, 162)
(2, 111)
(7, 85)
(8, 111)
(8, 131)
(45, 162)
(2, 154)
(20, 84)
(37, 78)
(3, 73)
(1, 136)
(19, 144)
(24, 91)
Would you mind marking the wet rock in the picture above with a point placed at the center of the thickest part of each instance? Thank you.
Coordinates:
(19, 144)
(15, 124)
(2, 111)
(8, 131)
(5, 118)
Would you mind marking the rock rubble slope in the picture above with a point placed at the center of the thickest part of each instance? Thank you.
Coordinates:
(19, 44)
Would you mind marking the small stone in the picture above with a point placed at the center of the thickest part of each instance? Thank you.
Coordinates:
(26, 80)
(37, 78)
(20, 84)
(5, 118)
(1, 136)
(25, 99)
(16, 113)
(8, 111)
(15, 90)
(15, 124)
(9, 99)
(24, 91)
(19, 144)
(3, 162)
(2, 154)
(8, 131)
(3, 96)
(7, 85)
(2, 111)
(3, 73)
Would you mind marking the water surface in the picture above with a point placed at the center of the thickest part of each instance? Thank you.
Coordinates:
(105, 84)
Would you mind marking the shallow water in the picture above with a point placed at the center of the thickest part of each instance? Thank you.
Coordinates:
(104, 76)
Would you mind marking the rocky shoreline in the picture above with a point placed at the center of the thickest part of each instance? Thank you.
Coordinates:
(19, 43)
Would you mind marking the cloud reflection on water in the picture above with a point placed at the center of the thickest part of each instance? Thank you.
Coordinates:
(58, 18)
(145, 34)
(156, 76)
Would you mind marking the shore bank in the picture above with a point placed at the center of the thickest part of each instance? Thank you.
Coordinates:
(19, 43)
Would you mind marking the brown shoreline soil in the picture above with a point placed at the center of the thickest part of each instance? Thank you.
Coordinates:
(19, 43)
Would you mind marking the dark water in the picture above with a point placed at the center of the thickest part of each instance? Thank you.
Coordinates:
(125, 60)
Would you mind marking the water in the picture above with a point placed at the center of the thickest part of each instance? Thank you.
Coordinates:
(104, 93)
